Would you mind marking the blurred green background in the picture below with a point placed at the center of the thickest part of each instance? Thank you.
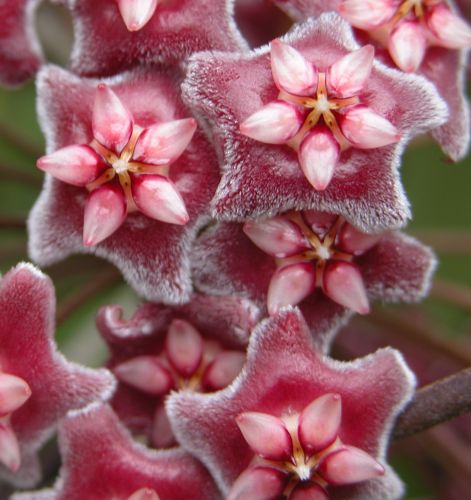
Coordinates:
(439, 193)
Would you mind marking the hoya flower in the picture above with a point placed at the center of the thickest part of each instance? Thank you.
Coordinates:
(112, 35)
(127, 171)
(261, 180)
(425, 36)
(296, 423)
(320, 114)
(37, 385)
(313, 259)
(101, 461)
(20, 53)
(199, 346)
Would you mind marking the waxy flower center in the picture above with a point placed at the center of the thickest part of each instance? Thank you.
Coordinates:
(322, 249)
(320, 106)
(122, 165)
(418, 8)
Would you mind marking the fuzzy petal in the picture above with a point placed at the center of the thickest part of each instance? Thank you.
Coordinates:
(105, 46)
(153, 256)
(291, 71)
(284, 372)
(27, 317)
(98, 465)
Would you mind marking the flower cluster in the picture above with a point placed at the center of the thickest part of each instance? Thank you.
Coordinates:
(253, 197)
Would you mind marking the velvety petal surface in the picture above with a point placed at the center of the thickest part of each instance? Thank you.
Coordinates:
(20, 53)
(284, 373)
(398, 268)
(104, 46)
(227, 320)
(264, 179)
(101, 460)
(152, 255)
(27, 350)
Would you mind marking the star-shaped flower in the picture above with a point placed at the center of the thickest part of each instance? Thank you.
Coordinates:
(314, 259)
(20, 53)
(199, 346)
(37, 385)
(297, 423)
(112, 35)
(101, 461)
(265, 179)
(118, 147)
(423, 36)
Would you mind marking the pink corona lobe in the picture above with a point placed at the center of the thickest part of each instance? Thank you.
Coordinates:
(408, 27)
(136, 13)
(125, 167)
(317, 457)
(14, 392)
(10, 454)
(309, 112)
(322, 248)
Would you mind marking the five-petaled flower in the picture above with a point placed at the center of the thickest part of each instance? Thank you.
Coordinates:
(199, 346)
(320, 113)
(301, 453)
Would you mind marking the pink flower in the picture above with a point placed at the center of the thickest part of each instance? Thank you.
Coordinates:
(313, 259)
(199, 346)
(37, 385)
(425, 37)
(112, 35)
(101, 461)
(120, 146)
(261, 179)
(294, 419)
(319, 114)
(20, 53)
(137, 158)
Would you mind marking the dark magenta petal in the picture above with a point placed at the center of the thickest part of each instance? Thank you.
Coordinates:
(27, 349)
(283, 375)
(153, 256)
(101, 460)
(20, 53)
(178, 28)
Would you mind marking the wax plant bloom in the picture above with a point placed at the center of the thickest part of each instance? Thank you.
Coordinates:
(253, 199)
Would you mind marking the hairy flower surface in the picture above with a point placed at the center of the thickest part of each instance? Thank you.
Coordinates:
(112, 35)
(37, 385)
(287, 380)
(102, 461)
(265, 179)
(199, 346)
(118, 145)
(319, 114)
(424, 36)
(20, 54)
(313, 259)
